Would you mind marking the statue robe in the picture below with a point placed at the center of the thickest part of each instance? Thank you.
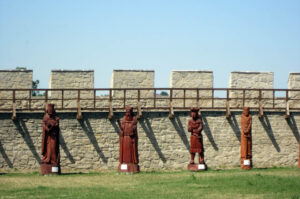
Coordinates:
(246, 140)
(128, 141)
(50, 140)
(196, 141)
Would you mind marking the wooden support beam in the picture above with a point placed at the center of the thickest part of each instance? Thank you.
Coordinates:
(171, 114)
(14, 112)
(260, 107)
(228, 113)
(287, 108)
(79, 113)
(139, 111)
(287, 111)
(111, 112)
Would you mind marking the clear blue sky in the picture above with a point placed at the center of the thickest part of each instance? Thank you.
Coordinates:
(218, 35)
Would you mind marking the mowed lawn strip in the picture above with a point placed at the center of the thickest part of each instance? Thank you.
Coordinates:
(256, 183)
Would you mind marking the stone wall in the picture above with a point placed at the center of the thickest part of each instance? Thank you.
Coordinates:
(93, 143)
(133, 79)
(71, 79)
(255, 80)
(294, 83)
(192, 79)
(12, 79)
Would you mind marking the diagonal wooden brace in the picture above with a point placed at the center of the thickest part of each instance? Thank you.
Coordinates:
(287, 110)
(171, 114)
(111, 112)
(79, 114)
(228, 113)
(139, 111)
(14, 112)
(260, 110)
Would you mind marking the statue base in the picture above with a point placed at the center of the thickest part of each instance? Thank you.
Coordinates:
(49, 169)
(246, 164)
(129, 168)
(197, 167)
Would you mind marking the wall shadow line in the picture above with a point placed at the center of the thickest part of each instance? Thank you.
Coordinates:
(268, 128)
(293, 125)
(235, 126)
(88, 130)
(4, 155)
(180, 131)
(145, 124)
(208, 133)
(65, 148)
(22, 129)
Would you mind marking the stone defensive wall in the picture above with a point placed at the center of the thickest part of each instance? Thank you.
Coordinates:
(91, 142)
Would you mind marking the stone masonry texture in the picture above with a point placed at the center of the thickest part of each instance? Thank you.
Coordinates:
(71, 79)
(255, 80)
(192, 79)
(163, 143)
(18, 78)
(294, 83)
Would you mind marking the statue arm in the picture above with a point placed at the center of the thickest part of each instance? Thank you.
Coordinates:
(249, 125)
(200, 126)
(190, 129)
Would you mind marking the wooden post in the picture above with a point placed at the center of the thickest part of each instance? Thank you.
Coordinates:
(171, 114)
(260, 108)
(111, 112)
(79, 114)
(139, 109)
(14, 113)
(287, 109)
(228, 114)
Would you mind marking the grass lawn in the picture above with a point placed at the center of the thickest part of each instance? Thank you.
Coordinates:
(256, 183)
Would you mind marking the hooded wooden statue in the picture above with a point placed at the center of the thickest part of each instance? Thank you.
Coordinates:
(50, 142)
(246, 139)
(128, 142)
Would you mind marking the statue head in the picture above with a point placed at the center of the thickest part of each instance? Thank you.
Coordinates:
(246, 111)
(50, 109)
(129, 111)
(194, 112)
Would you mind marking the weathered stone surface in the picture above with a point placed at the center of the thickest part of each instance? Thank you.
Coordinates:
(10, 79)
(191, 79)
(255, 80)
(71, 79)
(294, 83)
(133, 79)
(93, 143)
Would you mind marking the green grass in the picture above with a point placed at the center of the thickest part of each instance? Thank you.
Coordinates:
(256, 183)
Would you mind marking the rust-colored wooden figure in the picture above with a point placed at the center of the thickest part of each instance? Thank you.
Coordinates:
(50, 142)
(128, 142)
(246, 139)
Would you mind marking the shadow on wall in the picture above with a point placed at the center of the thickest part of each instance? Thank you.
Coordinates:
(65, 148)
(145, 124)
(235, 126)
(293, 125)
(88, 130)
(4, 155)
(265, 122)
(180, 131)
(208, 133)
(22, 129)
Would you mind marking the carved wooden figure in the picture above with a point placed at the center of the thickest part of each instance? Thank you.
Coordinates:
(128, 142)
(246, 139)
(50, 142)
(196, 141)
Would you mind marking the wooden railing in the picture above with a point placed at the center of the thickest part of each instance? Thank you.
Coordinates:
(146, 99)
